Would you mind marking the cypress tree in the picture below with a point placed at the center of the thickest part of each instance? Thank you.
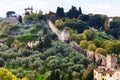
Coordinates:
(60, 12)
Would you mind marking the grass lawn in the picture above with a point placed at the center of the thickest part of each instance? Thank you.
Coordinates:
(102, 37)
(40, 77)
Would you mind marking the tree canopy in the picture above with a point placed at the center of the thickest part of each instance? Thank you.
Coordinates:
(10, 13)
(73, 12)
(27, 37)
(74, 24)
(60, 12)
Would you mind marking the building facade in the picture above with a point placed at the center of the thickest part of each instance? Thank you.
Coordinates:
(108, 72)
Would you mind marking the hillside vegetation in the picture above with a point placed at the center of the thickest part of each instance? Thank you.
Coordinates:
(30, 50)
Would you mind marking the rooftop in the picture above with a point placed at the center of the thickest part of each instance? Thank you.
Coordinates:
(105, 71)
(28, 8)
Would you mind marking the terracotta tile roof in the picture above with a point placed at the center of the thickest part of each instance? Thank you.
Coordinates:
(110, 72)
(105, 71)
(98, 70)
(28, 8)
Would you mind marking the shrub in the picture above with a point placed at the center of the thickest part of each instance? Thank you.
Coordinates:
(84, 44)
(92, 47)
(2, 62)
(101, 51)
(27, 37)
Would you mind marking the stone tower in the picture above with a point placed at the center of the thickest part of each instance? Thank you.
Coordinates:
(111, 61)
(28, 10)
(107, 22)
(65, 35)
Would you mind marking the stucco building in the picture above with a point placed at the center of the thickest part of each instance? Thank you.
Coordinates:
(108, 72)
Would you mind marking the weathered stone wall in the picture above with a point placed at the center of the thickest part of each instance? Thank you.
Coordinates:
(97, 58)
(62, 36)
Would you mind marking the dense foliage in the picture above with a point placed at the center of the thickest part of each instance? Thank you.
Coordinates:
(27, 37)
(74, 24)
(115, 28)
(33, 16)
(58, 57)
(6, 75)
(73, 12)
(31, 51)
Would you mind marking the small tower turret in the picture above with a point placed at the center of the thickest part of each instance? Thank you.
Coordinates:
(111, 61)
(28, 10)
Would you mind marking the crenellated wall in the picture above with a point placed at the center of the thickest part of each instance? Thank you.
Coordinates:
(62, 35)
(99, 59)
(109, 61)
